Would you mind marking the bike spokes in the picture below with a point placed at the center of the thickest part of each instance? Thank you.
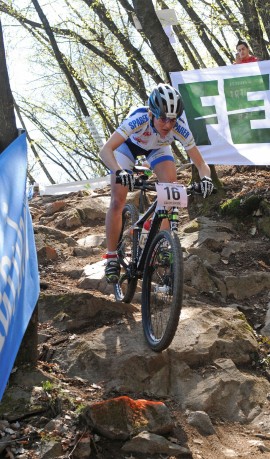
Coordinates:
(162, 290)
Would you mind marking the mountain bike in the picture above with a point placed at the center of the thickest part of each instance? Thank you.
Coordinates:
(155, 257)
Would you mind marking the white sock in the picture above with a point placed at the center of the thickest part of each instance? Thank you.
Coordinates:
(111, 256)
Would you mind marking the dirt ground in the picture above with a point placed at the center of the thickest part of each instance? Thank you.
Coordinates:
(238, 182)
(230, 440)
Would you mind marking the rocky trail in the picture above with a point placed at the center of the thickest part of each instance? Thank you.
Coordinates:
(99, 392)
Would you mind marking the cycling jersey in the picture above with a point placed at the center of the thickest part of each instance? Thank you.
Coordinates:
(139, 129)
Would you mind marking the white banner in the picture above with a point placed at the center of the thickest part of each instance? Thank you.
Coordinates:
(73, 187)
(228, 111)
(90, 123)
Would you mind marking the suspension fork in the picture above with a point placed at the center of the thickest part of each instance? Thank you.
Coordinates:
(173, 217)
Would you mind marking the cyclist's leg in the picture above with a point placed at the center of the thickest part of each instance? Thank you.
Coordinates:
(118, 199)
(113, 224)
(162, 162)
(166, 171)
(113, 220)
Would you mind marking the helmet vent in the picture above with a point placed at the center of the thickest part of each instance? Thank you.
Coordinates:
(165, 101)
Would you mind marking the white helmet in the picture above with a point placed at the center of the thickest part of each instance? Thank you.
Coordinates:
(165, 101)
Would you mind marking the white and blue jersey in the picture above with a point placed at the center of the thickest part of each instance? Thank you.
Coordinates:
(141, 138)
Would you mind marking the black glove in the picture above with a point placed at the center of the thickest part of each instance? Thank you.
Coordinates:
(125, 178)
(206, 186)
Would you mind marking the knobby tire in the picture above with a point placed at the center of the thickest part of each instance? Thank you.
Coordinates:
(162, 290)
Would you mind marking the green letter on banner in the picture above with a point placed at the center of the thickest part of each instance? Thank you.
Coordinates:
(236, 95)
(195, 111)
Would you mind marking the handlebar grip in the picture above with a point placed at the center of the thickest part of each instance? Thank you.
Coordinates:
(118, 180)
(195, 188)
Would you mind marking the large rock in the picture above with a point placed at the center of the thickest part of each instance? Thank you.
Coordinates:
(198, 370)
(250, 284)
(122, 417)
(75, 310)
(149, 443)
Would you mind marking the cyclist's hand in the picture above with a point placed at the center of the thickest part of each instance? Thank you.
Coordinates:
(206, 186)
(125, 178)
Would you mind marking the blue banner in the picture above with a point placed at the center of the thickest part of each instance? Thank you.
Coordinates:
(19, 278)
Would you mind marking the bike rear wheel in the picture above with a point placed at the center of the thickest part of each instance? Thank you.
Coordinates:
(125, 288)
(162, 290)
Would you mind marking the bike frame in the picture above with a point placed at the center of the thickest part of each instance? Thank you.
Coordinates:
(139, 255)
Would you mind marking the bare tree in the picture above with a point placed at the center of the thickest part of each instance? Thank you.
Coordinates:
(8, 131)
(31, 143)
(111, 65)
(160, 43)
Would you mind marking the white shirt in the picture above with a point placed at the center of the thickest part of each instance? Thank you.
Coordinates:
(138, 128)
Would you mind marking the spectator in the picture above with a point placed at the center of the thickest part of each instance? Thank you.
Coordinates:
(243, 55)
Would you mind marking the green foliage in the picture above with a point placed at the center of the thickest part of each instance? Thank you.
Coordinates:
(231, 207)
(240, 207)
(80, 408)
(250, 204)
(47, 386)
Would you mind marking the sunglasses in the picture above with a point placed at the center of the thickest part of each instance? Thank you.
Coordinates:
(165, 120)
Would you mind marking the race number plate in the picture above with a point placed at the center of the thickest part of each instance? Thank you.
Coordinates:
(171, 195)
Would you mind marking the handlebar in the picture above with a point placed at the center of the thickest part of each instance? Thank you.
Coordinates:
(142, 183)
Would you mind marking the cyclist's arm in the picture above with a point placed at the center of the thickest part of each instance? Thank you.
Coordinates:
(106, 153)
(196, 157)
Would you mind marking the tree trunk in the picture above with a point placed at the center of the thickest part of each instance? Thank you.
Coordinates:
(8, 131)
(129, 48)
(158, 39)
(60, 59)
(202, 30)
(196, 178)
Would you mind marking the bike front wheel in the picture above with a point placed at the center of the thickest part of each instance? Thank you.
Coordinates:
(162, 290)
(125, 288)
